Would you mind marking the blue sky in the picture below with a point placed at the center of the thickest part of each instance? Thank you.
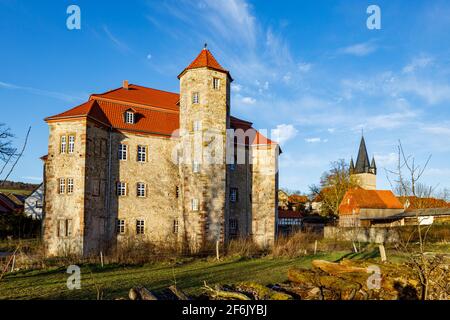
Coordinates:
(310, 69)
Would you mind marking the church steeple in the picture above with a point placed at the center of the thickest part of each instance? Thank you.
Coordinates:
(362, 162)
(373, 166)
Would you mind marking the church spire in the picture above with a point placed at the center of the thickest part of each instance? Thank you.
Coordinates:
(362, 162)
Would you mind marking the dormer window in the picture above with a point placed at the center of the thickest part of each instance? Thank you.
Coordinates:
(129, 117)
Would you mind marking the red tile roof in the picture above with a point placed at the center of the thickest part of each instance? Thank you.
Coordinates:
(205, 59)
(359, 198)
(289, 214)
(157, 112)
(423, 203)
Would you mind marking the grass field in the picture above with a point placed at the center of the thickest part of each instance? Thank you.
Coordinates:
(115, 281)
(16, 191)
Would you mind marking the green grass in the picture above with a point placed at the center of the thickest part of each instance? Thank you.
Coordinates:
(115, 281)
(17, 191)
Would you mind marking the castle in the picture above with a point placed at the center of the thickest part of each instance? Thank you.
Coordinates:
(365, 173)
(141, 163)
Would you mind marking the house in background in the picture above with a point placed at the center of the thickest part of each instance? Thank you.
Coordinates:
(366, 208)
(13, 203)
(289, 221)
(33, 206)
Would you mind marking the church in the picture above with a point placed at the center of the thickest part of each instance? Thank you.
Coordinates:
(169, 168)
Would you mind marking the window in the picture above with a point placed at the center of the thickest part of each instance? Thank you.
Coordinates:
(175, 226)
(64, 228)
(233, 194)
(120, 226)
(142, 154)
(71, 144)
(196, 167)
(141, 189)
(69, 185)
(129, 117)
(233, 226)
(177, 192)
(194, 204)
(62, 186)
(233, 167)
(140, 228)
(197, 125)
(123, 150)
(63, 147)
(121, 189)
(195, 98)
(216, 83)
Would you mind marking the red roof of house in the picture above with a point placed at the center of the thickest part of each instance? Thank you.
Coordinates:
(359, 198)
(205, 60)
(289, 214)
(423, 203)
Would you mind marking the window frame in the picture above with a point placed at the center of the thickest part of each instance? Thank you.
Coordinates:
(195, 205)
(196, 97)
(196, 167)
(130, 117)
(216, 83)
(120, 226)
(123, 152)
(141, 153)
(71, 144)
(121, 186)
(62, 186)
(139, 189)
(175, 226)
(63, 144)
(70, 185)
(234, 195)
(140, 226)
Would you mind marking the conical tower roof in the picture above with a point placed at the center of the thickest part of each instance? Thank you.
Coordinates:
(205, 59)
(362, 162)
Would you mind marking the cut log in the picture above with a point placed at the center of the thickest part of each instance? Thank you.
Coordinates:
(178, 293)
(336, 268)
(227, 295)
(141, 293)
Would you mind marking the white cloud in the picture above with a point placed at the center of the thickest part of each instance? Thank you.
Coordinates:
(313, 140)
(121, 46)
(359, 49)
(304, 67)
(331, 130)
(284, 132)
(149, 56)
(417, 63)
(438, 130)
(248, 100)
(386, 160)
(236, 87)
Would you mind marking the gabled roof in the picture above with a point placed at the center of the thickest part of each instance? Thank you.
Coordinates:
(358, 198)
(205, 59)
(289, 214)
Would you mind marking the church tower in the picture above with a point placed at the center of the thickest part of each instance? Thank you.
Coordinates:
(204, 119)
(364, 171)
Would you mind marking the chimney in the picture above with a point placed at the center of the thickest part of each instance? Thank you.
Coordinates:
(125, 84)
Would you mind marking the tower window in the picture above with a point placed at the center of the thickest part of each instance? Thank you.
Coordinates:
(62, 186)
(71, 144)
(233, 226)
(216, 83)
(197, 125)
(233, 194)
(63, 146)
(69, 185)
(196, 167)
(175, 226)
(195, 98)
(194, 204)
(177, 191)
(129, 117)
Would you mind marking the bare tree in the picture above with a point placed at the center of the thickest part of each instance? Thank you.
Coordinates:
(8, 153)
(405, 181)
(333, 186)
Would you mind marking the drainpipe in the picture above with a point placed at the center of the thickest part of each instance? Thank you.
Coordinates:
(108, 183)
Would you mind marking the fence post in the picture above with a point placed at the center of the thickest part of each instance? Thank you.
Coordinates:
(101, 258)
(382, 253)
(13, 265)
(315, 247)
(217, 250)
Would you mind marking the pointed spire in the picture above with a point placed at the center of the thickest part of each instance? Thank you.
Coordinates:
(352, 165)
(205, 59)
(362, 162)
(372, 164)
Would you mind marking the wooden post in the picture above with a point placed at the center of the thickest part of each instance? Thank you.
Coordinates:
(354, 247)
(217, 250)
(101, 258)
(13, 265)
(315, 247)
(382, 253)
